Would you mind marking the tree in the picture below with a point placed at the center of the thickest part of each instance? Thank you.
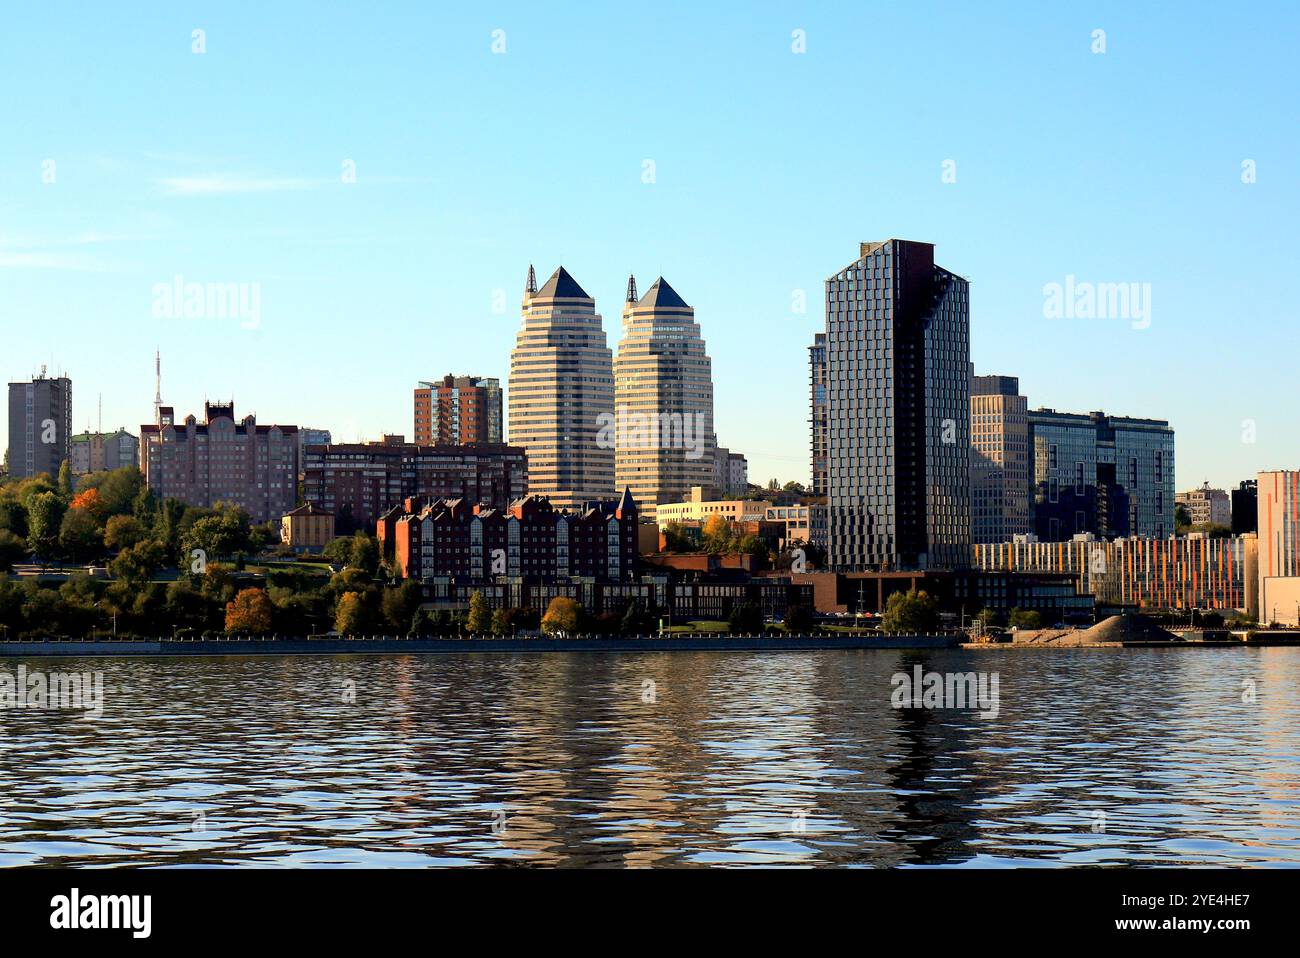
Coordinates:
(911, 612)
(44, 516)
(400, 604)
(500, 624)
(65, 479)
(90, 501)
(139, 562)
(251, 610)
(480, 616)
(717, 535)
(562, 615)
(745, 617)
(1025, 619)
(365, 553)
(798, 618)
(1182, 519)
(637, 620)
(676, 539)
(350, 616)
(79, 536)
(122, 532)
(12, 550)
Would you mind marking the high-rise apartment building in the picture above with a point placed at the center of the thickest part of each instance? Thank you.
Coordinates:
(1206, 506)
(663, 399)
(1111, 476)
(999, 468)
(819, 407)
(897, 373)
(458, 410)
(1279, 547)
(98, 451)
(562, 394)
(222, 460)
(40, 425)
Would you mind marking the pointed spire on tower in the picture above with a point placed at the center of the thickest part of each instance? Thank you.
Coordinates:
(631, 288)
(531, 286)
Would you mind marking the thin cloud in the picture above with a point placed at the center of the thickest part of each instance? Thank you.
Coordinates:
(50, 261)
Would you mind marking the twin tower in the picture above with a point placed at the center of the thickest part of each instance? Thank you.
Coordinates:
(593, 424)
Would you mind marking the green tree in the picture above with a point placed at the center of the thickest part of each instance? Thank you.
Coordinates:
(798, 618)
(1025, 619)
(138, 563)
(80, 538)
(44, 517)
(480, 616)
(122, 532)
(562, 615)
(12, 550)
(365, 553)
(745, 618)
(400, 604)
(65, 479)
(911, 612)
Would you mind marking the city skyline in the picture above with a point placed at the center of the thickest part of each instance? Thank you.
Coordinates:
(1101, 171)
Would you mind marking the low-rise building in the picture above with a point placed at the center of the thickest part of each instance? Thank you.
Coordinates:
(307, 528)
(1206, 506)
(698, 508)
(98, 451)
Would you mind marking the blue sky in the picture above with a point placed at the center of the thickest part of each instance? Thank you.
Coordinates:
(770, 167)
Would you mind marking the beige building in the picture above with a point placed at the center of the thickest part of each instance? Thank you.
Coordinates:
(1206, 506)
(562, 394)
(730, 471)
(999, 465)
(307, 528)
(1279, 547)
(697, 508)
(663, 394)
(99, 451)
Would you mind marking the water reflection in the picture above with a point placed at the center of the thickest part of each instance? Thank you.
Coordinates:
(646, 760)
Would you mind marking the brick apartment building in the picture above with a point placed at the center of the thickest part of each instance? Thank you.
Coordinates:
(220, 459)
(529, 539)
(458, 410)
(359, 482)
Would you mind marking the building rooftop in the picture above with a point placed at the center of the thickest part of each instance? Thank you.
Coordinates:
(662, 296)
(561, 286)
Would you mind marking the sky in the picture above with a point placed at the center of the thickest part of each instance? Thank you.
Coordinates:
(378, 180)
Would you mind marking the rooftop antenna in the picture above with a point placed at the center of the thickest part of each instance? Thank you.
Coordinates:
(157, 396)
(631, 288)
(100, 426)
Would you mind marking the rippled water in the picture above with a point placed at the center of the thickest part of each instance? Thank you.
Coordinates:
(1145, 757)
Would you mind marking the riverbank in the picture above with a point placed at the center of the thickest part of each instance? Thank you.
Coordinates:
(540, 644)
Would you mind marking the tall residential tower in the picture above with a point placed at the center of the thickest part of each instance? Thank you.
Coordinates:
(897, 377)
(999, 468)
(562, 394)
(40, 425)
(663, 392)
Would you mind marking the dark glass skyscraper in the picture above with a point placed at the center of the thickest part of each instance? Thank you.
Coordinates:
(897, 373)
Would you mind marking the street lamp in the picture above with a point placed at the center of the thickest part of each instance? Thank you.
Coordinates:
(97, 605)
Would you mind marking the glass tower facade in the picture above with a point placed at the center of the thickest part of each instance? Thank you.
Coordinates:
(1107, 475)
(897, 375)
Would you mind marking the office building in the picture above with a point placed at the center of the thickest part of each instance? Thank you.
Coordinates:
(1110, 476)
(457, 410)
(663, 399)
(897, 375)
(357, 482)
(697, 507)
(222, 460)
(999, 433)
(562, 393)
(40, 425)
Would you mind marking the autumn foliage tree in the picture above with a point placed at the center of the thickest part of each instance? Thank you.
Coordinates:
(562, 615)
(251, 610)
